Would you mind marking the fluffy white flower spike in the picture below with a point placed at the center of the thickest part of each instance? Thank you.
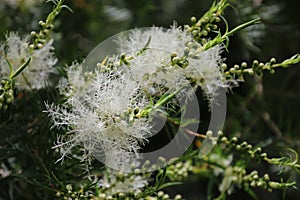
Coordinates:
(172, 59)
(151, 50)
(102, 117)
(16, 50)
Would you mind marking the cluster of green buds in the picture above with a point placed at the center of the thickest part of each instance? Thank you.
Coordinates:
(182, 62)
(237, 175)
(209, 22)
(122, 196)
(6, 93)
(108, 64)
(163, 196)
(7, 84)
(257, 67)
(243, 147)
(116, 196)
(43, 36)
(70, 194)
(180, 170)
(254, 180)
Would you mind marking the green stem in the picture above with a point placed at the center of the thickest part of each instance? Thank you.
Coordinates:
(161, 102)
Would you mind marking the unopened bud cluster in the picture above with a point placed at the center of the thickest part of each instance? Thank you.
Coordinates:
(163, 196)
(112, 64)
(202, 27)
(70, 193)
(180, 170)
(264, 182)
(238, 71)
(244, 147)
(43, 36)
(6, 93)
(119, 185)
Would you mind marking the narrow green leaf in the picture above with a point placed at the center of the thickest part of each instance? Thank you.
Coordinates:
(20, 69)
(165, 185)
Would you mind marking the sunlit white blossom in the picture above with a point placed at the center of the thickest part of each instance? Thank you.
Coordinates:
(76, 81)
(171, 59)
(152, 65)
(206, 71)
(101, 118)
(16, 50)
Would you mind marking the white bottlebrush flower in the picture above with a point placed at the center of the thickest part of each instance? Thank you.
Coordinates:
(171, 58)
(206, 71)
(101, 118)
(16, 50)
(76, 82)
(152, 66)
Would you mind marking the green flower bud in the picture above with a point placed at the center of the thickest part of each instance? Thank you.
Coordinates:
(224, 139)
(160, 193)
(194, 32)
(253, 184)
(41, 23)
(193, 19)
(33, 33)
(204, 32)
(273, 61)
(175, 60)
(206, 19)
(166, 196)
(261, 65)
(209, 134)
(214, 27)
(263, 155)
(69, 187)
(220, 133)
(266, 177)
(234, 139)
(58, 194)
(255, 64)
(217, 19)
(232, 70)
(251, 72)
(244, 65)
(236, 67)
(39, 45)
(224, 66)
(46, 31)
(255, 177)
